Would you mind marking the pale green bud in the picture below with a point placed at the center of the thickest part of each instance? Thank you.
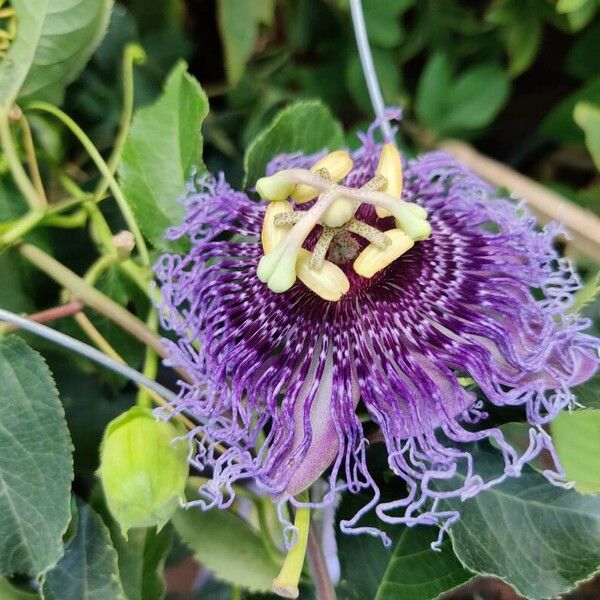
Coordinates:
(142, 470)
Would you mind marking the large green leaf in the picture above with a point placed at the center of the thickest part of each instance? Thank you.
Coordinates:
(239, 28)
(303, 126)
(408, 570)
(540, 538)
(36, 467)
(55, 38)
(576, 436)
(163, 146)
(88, 570)
(587, 116)
(228, 546)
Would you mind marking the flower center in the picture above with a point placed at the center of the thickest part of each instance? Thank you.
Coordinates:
(285, 230)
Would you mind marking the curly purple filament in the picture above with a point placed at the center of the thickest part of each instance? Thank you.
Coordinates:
(279, 377)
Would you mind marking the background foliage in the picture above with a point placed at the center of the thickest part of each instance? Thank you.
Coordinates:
(520, 79)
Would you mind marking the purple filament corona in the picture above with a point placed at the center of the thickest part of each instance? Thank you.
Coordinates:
(279, 379)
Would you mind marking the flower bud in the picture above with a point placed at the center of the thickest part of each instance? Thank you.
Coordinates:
(124, 242)
(142, 470)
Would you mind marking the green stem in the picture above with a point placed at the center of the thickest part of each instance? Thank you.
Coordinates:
(101, 233)
(90, 296)
(34, 170)
(25, 186)
(22, 226)
(72, 221)
(104, 170)
(261, 508)
(133, 54)
(286, 583)
(98, 268)
(236, 592)
(150, 363)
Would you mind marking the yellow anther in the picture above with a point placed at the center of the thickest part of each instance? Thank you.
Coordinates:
(338, 164)
(373, 259)
(330, 282)
(390, 167)
(276, 187)
(273, 234)
(340, 212)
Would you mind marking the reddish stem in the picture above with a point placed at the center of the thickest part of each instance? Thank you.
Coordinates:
(51, 314)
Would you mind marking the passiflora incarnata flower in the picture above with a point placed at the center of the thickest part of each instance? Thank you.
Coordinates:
(359, 285)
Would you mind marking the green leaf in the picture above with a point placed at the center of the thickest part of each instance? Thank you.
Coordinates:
(238, 27)
(559, 124)
(583, 60)
(567, 6)
(382, 19)
(225, 544)
(540, 538)
(141, 557)
(588, 393)
(416, 572)
(576, 436)
(163, 146)
(581, 16)
(470, 101)
(36, 467)
(476, 98)
(587, 294)
(433, 87)
(408, 570)
(8, 591)
(520, 26)
(587, 116)
(306, 126)
(55, 38)
(263, 11)
(88, 570)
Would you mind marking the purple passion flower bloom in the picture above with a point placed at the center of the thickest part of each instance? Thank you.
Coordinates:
(391, 318)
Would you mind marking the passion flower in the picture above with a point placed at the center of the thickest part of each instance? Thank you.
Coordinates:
(362, 285)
